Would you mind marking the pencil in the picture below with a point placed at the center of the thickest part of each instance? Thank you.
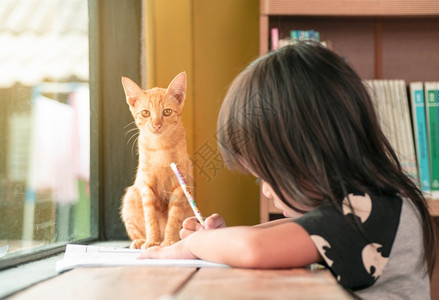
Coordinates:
(187, 192)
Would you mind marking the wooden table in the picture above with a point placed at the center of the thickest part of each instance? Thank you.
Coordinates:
(186, 283)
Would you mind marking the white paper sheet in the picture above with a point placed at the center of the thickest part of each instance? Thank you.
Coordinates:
(94, 256)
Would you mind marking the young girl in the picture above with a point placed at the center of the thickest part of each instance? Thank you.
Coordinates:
(301, 120)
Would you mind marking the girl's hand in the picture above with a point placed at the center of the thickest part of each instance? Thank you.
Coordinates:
(175, 251)
(190, 225)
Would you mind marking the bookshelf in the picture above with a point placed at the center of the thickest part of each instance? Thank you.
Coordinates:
(382, 39)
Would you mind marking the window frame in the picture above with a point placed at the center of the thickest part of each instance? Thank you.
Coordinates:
(111, 23)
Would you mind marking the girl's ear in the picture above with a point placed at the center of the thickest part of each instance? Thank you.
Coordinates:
(132, 91)
(177, 87)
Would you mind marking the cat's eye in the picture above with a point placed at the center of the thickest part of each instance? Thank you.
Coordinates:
(167, 112)
(145, 113)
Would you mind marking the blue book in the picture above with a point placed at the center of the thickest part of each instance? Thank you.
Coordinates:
(312, 35)
(420, 131)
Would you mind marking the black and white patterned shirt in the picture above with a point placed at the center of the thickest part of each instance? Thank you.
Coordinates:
(356, 255)
(385, 260)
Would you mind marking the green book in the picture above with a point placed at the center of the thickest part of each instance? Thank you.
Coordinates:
(420, 131)
(432, 114)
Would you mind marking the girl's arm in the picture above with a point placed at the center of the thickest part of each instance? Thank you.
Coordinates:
(280, 246)
(215, 221)
(274, 222)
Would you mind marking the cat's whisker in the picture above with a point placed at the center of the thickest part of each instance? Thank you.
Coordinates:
(131, 130)
(131, 123)
(132, 147)
(135, 135)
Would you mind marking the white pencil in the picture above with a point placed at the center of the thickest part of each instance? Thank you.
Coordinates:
(187, 192)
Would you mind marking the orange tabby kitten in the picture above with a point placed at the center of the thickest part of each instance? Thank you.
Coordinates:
(154, 208)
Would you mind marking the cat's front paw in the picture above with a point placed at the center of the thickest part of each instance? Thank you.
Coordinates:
(148, 244)
(136, 244)
(168, 243)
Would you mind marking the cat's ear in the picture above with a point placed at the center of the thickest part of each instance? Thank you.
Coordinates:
(132, 91)
(177, 87)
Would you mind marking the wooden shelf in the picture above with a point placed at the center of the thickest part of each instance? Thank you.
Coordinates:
(434, 207)
(355, 8)
(376, 36)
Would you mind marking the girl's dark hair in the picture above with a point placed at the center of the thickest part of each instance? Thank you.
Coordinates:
(302, 120)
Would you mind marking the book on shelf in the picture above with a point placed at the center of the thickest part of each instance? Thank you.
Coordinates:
(420, 134)
(295, 36)
(414, 136)
(432, 116)
(305, 35)
(274, 38)
(406, 130)
(392, 107)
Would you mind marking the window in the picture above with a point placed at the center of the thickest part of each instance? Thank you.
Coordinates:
(58, 74)
(44, 125)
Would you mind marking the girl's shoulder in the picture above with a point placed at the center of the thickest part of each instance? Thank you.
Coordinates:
(356, 238)
(364, 212)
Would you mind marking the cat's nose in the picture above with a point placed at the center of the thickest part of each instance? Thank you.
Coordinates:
(156, 126)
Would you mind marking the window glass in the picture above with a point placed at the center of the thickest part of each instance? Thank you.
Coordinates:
(44, 124)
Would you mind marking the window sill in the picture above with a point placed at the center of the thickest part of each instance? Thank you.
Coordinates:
(15, 279)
